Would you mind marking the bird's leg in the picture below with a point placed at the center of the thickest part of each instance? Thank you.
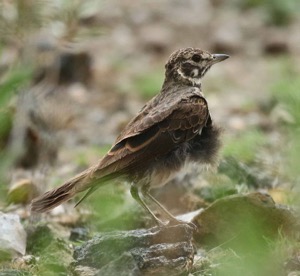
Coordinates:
(146, 194)
(172, 219)
(135, 194)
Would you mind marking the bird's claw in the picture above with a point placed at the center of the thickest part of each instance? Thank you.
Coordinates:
(179, 222)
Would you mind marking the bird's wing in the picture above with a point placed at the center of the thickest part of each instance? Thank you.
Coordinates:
(156, 133)
(179, 123)
(153, 112)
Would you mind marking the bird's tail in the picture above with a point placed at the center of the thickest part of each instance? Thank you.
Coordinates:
(57, 196)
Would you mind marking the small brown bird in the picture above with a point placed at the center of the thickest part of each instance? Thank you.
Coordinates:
(173, 128)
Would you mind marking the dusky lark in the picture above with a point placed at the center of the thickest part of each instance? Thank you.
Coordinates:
(173, 128)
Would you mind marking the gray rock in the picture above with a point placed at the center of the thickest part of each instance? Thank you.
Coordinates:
(136, 252)
(13, 236)
(85, 271)
(125, 265)
(79, 234)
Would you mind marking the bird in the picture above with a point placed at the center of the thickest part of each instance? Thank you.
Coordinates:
(172, 129)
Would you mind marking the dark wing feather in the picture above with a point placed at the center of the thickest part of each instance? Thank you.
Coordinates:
(184, 121)
(155, 111)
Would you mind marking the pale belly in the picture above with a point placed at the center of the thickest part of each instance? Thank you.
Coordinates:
(161, 178)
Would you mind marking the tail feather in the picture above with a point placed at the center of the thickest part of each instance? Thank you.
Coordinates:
(57, 196)
(52, 198)
(90, 179)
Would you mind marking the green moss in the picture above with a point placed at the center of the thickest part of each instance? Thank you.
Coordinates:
(54, 253)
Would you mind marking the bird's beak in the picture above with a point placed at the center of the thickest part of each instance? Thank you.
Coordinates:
(219, 57)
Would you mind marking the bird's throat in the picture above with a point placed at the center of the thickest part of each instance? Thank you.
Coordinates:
(194, 81)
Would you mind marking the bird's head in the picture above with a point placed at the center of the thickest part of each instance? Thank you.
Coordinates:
(189, 65)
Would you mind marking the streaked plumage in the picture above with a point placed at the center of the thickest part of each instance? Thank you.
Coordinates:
(173, 128)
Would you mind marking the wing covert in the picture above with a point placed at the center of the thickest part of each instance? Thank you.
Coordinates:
(183, 122)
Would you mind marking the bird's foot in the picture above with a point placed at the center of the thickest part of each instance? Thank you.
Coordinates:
(178, 222)
(159, 223)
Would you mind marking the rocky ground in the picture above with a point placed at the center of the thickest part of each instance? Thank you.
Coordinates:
(72, 75)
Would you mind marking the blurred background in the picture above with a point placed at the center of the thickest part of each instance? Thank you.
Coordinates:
(73, 73)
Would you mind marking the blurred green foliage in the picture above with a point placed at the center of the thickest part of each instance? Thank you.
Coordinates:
(286, 93)
(17, 78)
(149, 84)
(245, 146)
(23, 17)
(216, 191)
(83, 157)
(277, 12)
(287, 96)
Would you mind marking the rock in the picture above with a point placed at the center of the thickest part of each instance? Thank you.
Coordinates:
(23, 191)
(227, 36)
(275, 42)
(85, 271)
(294, 273)
(79, 234)
(124, 265)
(243, 219)
(75, 67)
(155, 37)
(164, 257)
(12, 237)
(150, 251)
(25, 261)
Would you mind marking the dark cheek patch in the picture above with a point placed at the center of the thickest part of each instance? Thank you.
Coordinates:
(190, 70)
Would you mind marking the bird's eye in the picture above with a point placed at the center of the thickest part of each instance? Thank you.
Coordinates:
(196, 58)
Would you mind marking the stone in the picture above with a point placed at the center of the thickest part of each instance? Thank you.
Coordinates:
(13, 236)
(144, 251)
(23, 191)
(85, 271)
(79, 234)
(244, 219)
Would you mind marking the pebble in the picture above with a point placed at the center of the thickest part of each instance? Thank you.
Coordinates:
(13, 235)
